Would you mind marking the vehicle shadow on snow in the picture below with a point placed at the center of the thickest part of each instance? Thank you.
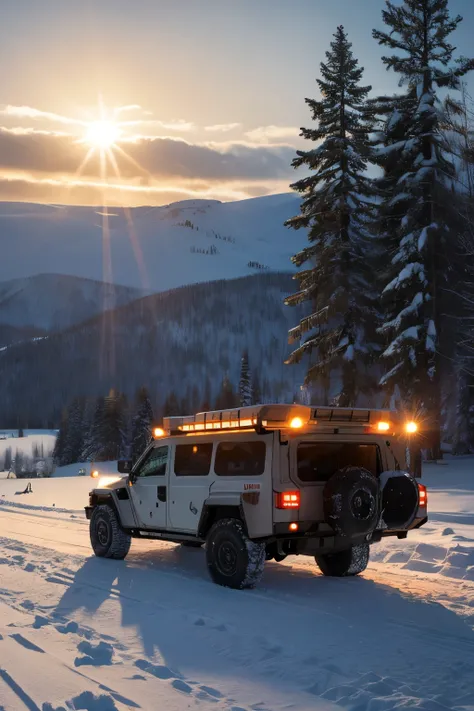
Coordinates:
(166, 596)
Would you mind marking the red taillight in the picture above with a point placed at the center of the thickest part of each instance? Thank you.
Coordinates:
(423, 496)
(288, 500)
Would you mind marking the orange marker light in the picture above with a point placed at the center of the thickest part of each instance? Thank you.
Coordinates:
(296, 423)
(158, 432)
(411, 427)
(383, 426)
(94, 474)
(293, 527)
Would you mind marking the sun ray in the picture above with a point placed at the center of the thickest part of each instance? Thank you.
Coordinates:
(133, 235)
(131, 160)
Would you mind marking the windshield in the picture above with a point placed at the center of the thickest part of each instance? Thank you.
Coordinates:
(318, 461)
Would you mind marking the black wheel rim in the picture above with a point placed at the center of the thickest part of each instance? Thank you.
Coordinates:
(362, 505)
(227, 559)
(102, 532)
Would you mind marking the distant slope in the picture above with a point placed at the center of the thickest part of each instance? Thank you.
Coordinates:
(52, 302)
(158, 248)
(179, 340)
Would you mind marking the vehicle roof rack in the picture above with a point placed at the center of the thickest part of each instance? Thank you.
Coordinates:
(272, 417)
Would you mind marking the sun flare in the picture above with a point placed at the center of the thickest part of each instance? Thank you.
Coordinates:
(102, 134)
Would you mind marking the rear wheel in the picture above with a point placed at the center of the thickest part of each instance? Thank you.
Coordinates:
(344, 563)
(108, 540)
(234, 561)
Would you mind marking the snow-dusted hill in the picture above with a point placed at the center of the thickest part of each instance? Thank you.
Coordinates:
(184, 340)
(53, 302)
(150, 248)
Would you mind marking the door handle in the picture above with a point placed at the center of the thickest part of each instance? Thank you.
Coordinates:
(161, 493)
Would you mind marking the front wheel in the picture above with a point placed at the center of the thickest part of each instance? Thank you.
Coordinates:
(233, 560)
(108, 540)
(352, 561)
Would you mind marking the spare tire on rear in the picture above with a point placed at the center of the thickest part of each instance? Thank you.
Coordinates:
(351, 501)
(400, 499)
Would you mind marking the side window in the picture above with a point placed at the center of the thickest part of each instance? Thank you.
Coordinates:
(193, 459)
(240, 458)
(155, 463)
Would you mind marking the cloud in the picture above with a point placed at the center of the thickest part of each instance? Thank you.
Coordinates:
(31, 113)
(57, 192)
(222, 127)
(178, 125)
(28, 112)
(162, 158)
(129, 107)
(271, 134)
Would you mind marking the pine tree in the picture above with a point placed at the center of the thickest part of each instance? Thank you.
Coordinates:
(94, 438)
(142, 423)
(171, 407)
(226, 399)
(245, 386)
(60, 444)
(337, 209)
(8, 460)
(75, 433)
(418, 34)
(111, 441)
(92, 413)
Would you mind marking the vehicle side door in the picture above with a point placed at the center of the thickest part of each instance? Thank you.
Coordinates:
(149, 487)
(189, 483)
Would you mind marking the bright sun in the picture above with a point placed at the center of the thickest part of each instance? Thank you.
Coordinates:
(102, 134)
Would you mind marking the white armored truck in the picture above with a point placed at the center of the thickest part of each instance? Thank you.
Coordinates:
(264, 482)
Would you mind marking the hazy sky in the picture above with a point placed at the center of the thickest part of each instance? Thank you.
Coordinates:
(214, 88)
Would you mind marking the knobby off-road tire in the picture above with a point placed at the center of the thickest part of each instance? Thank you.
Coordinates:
(344, 563)
(108, 540)
(350, 501)
(233, 560)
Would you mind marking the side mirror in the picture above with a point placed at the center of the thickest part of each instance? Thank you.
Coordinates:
(124, 466)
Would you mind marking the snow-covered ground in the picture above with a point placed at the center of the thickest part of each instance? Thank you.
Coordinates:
(153, 632)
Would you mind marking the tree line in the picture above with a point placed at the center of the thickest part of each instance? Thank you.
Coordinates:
(109, 427)
(389, 206)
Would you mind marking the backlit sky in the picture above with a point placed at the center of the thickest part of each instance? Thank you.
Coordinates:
(210, 92)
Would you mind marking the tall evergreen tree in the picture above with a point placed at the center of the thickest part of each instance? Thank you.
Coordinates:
(112, 435)
(93, 440)
(75, 432)
(245, 385)
(171, 407)
(337, 209)
(418, 32)
(226, 398)
(142, 423)
(8, 460)
(61, 439)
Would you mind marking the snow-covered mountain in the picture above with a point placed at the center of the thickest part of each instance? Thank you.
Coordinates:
(184, 340)
(154, 249)
(52, 302)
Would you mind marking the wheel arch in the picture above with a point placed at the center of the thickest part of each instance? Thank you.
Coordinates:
(220, 508)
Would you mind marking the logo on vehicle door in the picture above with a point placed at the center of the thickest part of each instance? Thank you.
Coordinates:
(251, 487)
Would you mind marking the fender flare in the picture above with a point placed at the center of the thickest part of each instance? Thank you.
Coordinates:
(220, 506)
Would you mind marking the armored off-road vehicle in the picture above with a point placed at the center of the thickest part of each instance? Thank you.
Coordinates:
(261, 483)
